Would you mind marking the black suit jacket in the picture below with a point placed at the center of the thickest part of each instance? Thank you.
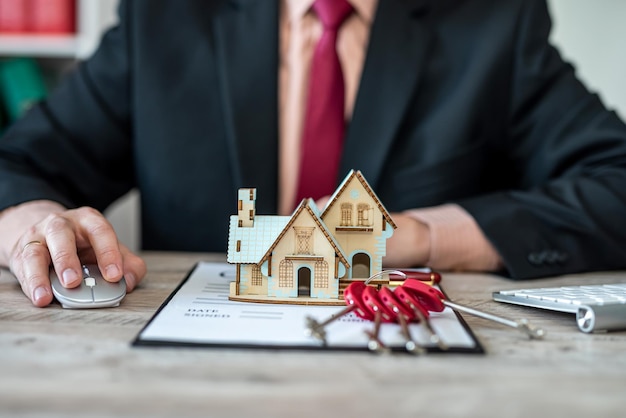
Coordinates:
(460, 101)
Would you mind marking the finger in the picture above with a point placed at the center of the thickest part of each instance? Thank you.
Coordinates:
(100, 235)
(32, 271)
(61, 241)
(134, 268)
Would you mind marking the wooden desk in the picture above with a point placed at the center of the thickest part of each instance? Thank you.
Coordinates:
(56, 362)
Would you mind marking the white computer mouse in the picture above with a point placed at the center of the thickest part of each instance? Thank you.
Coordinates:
(93, 292)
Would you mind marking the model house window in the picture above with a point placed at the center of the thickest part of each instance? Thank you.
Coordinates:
(257, 277)
(321, 274)
(346, 214)
(304, 240)
(364, 216)
(285, 274)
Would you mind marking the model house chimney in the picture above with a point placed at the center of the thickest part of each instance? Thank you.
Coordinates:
(246, 207)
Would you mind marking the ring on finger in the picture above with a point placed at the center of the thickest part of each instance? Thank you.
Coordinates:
(34, 242)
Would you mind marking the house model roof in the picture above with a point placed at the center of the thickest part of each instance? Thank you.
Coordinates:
(368, 189)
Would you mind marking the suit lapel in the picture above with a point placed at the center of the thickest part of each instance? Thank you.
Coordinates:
(398, 44)
(246, 41)
(246, 36)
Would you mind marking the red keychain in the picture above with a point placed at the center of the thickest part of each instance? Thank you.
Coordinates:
(382, 313)
(404, 314)
(427, 296)
(421, 306)
(382, 306)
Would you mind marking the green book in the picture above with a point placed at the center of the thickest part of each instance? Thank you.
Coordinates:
(21, 85)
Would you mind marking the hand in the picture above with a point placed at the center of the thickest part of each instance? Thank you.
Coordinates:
(409, 246)
(69, 239)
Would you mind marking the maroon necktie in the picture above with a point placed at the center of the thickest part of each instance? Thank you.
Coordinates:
(324, 123)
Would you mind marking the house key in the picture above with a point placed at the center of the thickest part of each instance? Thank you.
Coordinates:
(403, 315)
(418, 312)
(435, 301)
(353, 296)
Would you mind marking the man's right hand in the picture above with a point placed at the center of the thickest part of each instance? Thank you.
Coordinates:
(64, 239)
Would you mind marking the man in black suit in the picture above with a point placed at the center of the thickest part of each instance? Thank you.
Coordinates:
(460, 104)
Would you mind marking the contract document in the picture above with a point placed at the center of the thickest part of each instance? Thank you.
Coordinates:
(199, 313)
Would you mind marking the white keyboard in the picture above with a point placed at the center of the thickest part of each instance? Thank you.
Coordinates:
(600, 307)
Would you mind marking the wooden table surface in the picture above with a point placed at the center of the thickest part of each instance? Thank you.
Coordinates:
(59, 363)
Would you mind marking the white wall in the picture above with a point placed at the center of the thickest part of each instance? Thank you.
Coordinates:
(591, 34)
(124, 215)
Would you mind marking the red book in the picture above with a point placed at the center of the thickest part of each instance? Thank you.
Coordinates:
(52, 16)
(13, 16)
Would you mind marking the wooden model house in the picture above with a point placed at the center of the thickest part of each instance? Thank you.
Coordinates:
(308, 257)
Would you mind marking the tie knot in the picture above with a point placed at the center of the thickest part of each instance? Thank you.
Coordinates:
(332, 13)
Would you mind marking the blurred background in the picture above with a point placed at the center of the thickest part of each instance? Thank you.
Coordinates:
(41, 39)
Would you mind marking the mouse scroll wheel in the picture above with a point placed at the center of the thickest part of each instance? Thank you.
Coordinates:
(90, 281)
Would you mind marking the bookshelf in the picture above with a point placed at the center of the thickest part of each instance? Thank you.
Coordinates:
(53, 54)
(93, 17)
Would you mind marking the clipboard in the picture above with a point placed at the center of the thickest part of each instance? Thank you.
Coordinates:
(198, 313)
